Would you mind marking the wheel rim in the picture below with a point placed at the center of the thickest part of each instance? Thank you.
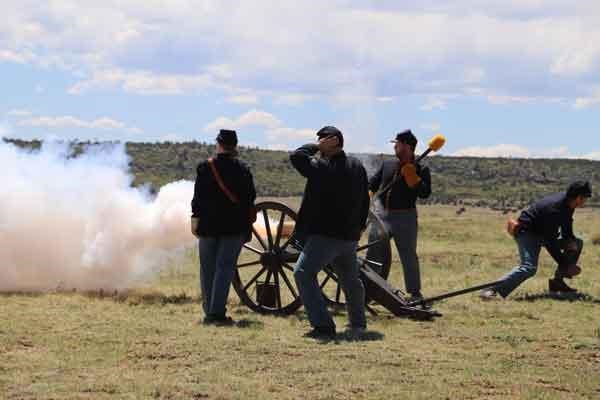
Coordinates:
(263, 278)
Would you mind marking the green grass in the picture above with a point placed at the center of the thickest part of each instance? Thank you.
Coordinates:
(146, 343)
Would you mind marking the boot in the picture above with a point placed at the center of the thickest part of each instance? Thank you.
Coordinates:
(558, 285)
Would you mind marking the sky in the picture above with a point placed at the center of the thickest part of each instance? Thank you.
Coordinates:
(513, 78)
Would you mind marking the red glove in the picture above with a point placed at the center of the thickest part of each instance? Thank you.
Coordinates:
(409, 173)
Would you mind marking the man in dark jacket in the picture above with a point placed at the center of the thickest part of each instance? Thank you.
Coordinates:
(220, 220)
(402, 182)
(539, 226)
(332, 217)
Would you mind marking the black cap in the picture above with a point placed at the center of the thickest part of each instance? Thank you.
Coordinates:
(579, 188)
(406, 137)
(227, 137)
(331, 131)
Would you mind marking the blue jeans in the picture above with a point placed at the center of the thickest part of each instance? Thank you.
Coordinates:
(529, 245)
(319, 251)
(218, 258)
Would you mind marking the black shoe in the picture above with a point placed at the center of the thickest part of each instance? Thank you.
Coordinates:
(321, 332)
(219, 320)
(558, 285)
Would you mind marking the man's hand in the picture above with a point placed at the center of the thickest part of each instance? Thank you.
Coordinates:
(409, 172)
(194, 227)
(328, 144)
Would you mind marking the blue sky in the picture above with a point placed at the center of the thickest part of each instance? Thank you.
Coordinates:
(509, 78)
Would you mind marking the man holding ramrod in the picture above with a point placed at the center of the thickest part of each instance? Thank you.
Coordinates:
(397, 185)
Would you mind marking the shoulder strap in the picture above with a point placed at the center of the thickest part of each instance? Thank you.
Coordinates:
(234, 199)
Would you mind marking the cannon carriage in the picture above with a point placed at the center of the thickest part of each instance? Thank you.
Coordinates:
(264, 281)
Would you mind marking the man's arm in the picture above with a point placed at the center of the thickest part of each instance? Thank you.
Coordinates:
(424, 187)
(566, 229)
(554, 249)
(366, 201)
(303, 159)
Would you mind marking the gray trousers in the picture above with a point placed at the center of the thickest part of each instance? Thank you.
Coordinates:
(403, 227)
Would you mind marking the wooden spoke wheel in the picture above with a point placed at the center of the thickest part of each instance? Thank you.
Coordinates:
(373, 249)
(264, 276)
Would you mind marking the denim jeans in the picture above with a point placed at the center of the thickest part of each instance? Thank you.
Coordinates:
(530, 245)
(403, 227)
(319, 251)
(218, 258)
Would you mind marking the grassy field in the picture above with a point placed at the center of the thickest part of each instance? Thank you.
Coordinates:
(147, 343)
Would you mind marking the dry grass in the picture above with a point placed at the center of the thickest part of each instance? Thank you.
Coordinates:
(146, 343)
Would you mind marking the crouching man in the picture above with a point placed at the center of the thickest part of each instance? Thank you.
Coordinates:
(539, 226)
(332, 216)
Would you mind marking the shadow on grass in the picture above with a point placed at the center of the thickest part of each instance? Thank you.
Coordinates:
(349, 336)
(249, 324)
(570, 297)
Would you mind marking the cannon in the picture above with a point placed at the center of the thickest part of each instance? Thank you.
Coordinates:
(263, 279)
(264, 282)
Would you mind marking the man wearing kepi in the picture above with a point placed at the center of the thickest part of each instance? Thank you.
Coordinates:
(223, 201)
(331, 219)
(539, 226)
(402, 182)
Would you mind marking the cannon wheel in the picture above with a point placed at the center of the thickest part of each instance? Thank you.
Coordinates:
(263, 279)
(374, 249)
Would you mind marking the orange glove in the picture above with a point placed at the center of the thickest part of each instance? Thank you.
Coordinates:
(409, 173)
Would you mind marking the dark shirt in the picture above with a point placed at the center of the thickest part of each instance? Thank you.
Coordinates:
(217, 215)
(336, 197)
(546, 218)
(399, 195)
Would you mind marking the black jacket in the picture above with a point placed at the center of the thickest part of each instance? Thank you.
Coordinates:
(546, 218)
(399, 196)
(216, 214)
(336, 197)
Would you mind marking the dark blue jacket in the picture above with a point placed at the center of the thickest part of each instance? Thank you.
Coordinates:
(336, 196)
(548, 218)
(216, 214)
(400, 195)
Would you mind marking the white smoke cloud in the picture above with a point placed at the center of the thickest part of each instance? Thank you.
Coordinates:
(76, 222)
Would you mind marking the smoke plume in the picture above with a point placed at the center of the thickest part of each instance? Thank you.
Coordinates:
(76, 222)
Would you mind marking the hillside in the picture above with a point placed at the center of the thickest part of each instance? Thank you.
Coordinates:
(490, 182)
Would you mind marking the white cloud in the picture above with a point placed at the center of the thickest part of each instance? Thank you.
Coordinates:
(273, 128)
(182, 48)
(434, 103)
(245, 99)
(292, 99)
(250, 118)
(290, 133)
(143, 82)
(595, 155)
(517, 151)
(68, 121)
(4, 130)
(591, 98)
(18, 113)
